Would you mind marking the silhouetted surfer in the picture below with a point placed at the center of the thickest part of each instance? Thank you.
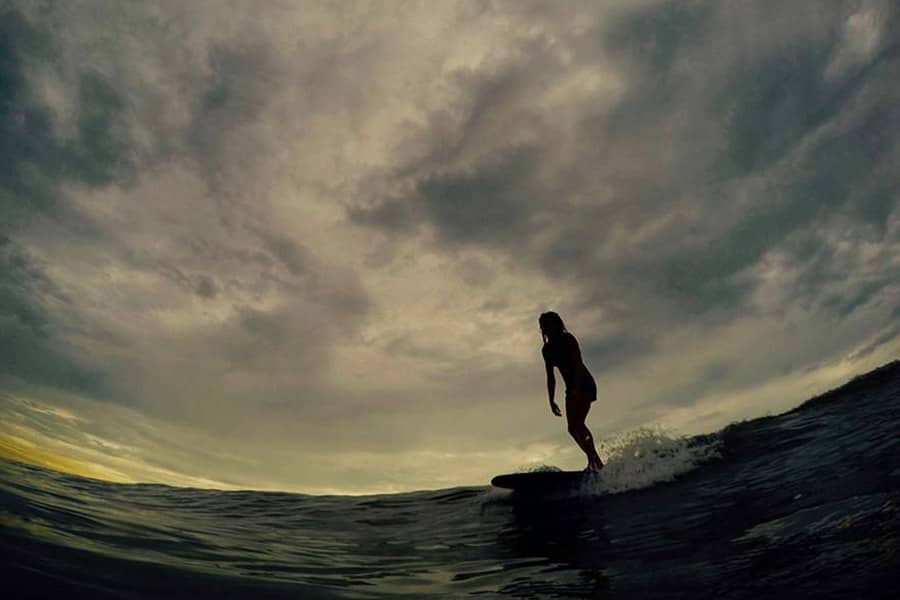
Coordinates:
(561, 351)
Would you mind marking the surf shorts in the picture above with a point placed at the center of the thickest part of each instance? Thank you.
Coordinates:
(590, 387)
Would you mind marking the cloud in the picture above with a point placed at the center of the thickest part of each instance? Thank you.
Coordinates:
(37, 160)
(137, 192)
(32, 350)
(327, 232)
(721, 151)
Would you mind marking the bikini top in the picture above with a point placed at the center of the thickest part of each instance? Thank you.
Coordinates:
(558, 355)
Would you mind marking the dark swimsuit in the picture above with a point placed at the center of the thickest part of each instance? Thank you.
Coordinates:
(590, 386)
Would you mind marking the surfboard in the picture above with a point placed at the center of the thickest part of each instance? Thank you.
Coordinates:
(543, 481)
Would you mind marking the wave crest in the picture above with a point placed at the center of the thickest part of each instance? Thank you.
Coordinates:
(649, 455)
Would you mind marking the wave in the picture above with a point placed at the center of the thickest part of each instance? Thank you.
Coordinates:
(802, 504)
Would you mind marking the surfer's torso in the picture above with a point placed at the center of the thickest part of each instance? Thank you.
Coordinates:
(563, 353)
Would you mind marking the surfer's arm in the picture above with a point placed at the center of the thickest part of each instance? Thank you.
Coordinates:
(551, 381)
(551, 387)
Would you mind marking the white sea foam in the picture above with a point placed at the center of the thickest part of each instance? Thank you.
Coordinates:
(645, 457)
(538, 469)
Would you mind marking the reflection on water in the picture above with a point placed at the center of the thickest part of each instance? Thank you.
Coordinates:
(568, 538)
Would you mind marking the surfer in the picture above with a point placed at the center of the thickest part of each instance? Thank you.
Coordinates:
(561, 350)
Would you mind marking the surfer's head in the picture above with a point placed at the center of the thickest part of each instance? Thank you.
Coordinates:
(551, 325)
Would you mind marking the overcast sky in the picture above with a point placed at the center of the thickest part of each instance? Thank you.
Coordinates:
(304, 246)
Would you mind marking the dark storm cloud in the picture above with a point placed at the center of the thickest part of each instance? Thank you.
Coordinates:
(743, 130)
(484, 205)
(36, 163)
(768, 107)
(656, 35)
(130, 108)
(205, 286)
(292, 255)
(235, 92)
(35, 160)
(31, 349)
(481, 207)
(609, 352)
(883, 338)
(473, 167)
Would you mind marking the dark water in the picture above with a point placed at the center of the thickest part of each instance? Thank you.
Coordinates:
(804, 504)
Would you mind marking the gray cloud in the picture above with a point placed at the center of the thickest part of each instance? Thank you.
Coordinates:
(483, 205)
(317, 227)
(111, 127)
(37, 163)
(609, 352)
(236, 91)
(32, 350)
(36, 159)
(746, 148)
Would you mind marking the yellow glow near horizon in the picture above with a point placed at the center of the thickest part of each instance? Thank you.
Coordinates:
(17, 449)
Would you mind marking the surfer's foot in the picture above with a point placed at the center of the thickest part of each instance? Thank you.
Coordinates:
(595, 466)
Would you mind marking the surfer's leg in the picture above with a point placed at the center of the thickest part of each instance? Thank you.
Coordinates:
(594, 461)
(585, 440)
(577, 407)
(578, 436)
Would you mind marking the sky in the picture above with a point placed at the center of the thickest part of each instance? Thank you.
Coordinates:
(304, 245)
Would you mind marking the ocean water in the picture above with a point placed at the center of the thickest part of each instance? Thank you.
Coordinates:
(803, 504)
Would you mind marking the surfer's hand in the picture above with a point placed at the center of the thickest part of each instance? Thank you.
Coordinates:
(555, 408)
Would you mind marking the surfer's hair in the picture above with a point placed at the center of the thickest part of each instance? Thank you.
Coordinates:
(551, 322)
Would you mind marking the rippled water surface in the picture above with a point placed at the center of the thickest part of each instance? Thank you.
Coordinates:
(804, 504)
